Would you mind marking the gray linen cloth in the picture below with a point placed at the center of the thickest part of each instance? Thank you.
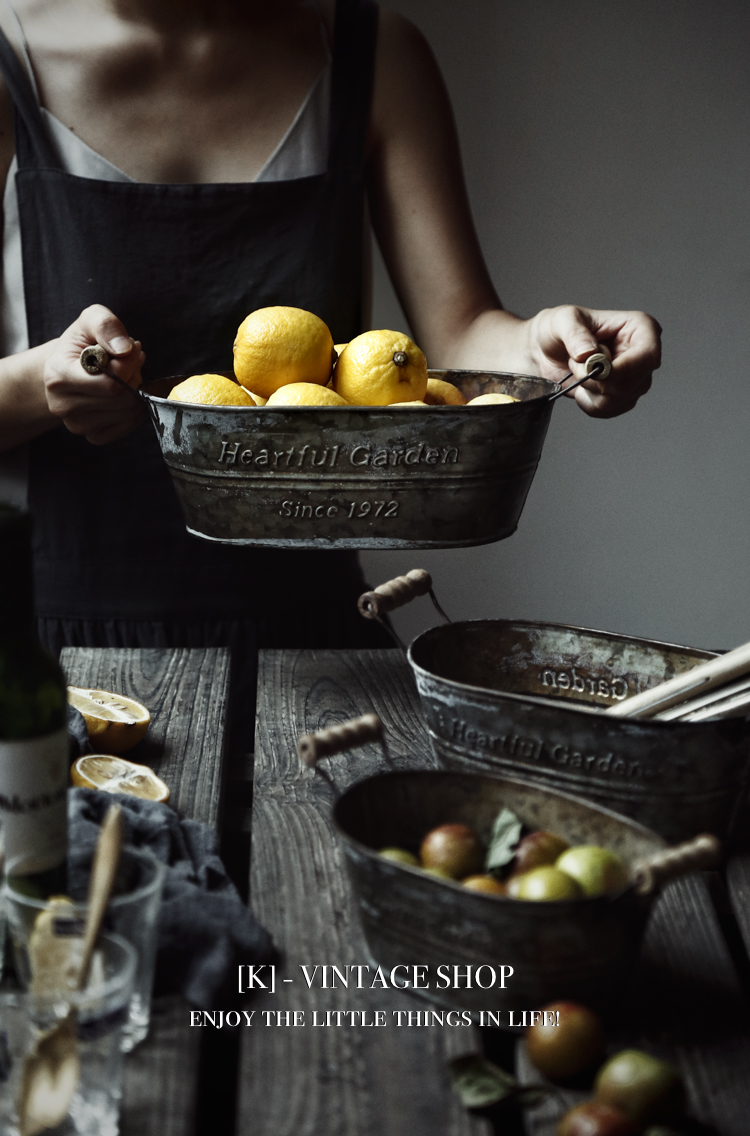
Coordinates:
(205, 930)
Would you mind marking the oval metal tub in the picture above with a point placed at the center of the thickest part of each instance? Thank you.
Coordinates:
(356, 477)
(581, 949)
(524, 698)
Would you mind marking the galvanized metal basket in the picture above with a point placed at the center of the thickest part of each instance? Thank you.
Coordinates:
(523, 698)
(582, 949)
(357, 477)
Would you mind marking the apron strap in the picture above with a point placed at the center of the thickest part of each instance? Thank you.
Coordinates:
(33, 143)
(355, 35)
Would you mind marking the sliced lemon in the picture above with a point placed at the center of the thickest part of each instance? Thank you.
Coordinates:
(114, 723)
(56, 948)
(117, 775)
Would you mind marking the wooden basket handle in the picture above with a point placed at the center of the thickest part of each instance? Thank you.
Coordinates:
(395, 593)
(603, 357)
(692, 856)
(325, 743)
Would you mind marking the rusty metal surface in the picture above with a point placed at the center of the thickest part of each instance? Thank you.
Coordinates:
(522, 699)
(356, 477)
(581, 949)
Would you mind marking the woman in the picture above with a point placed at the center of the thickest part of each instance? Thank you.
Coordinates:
(194, 160)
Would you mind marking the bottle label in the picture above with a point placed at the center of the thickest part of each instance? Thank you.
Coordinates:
(33, 802)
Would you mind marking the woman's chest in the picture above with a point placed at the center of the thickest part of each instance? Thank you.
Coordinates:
(197, 107)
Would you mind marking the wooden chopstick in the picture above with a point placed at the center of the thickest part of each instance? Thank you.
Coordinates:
(700, 679)
(713, 698)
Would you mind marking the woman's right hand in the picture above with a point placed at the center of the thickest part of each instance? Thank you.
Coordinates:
(95, 406)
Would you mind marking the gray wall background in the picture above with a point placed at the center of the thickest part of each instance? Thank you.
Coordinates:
(607, 152)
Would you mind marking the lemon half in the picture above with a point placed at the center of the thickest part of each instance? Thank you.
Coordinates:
(117, 775)
(114, 723)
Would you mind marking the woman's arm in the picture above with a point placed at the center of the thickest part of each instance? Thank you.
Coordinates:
(423, 223)
(46, 386)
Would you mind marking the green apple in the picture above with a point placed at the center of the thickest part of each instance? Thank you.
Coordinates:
(400, 856)
(596, 869)
(544, 884)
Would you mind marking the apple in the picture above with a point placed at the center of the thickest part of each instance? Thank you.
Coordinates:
(594, 1119)
(453, 847)
(641, 1086)
(544, 884)
(487, 884)
(563, 1051)
(400, 856)
(538, 850)
(596, 869)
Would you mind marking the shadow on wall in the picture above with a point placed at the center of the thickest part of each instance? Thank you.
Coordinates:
(607, 151)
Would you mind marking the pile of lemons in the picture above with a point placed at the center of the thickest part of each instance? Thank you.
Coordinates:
(287, 357)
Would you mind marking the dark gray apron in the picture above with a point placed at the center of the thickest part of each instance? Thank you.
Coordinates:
(182, 265)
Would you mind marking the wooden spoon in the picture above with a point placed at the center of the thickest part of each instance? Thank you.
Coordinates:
(51, 1071)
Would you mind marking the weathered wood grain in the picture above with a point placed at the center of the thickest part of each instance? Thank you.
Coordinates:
(161, 1075)
(686, 1005)
(738, 885)
(337, 1080)
(186, 691)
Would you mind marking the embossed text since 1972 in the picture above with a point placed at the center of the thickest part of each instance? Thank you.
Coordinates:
(309, 458)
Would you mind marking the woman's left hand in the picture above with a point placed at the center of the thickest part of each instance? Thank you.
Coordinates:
(560, 337)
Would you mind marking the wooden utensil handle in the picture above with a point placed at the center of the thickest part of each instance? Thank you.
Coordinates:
(94, 360)
(692, 856)
(603, 356)
(694, 682)
(103, 871)
(395, 593)
(337, 739)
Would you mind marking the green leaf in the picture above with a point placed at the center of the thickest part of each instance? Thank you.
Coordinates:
(478, 1082)
(506, 833)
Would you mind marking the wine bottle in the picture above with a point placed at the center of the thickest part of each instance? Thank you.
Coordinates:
(34, 747)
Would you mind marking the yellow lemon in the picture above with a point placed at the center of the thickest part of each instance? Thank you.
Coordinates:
(276, 346)
(117, 775)
(211, 390)
(339, 347)
(114, 723)
(441, 393)
(257, 399)
(416, 402)
(379, 368)
(306, 394)
(491, 399)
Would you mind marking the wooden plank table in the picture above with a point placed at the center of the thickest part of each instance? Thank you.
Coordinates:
(687, 1002)
(186, 692)
(347, 1080)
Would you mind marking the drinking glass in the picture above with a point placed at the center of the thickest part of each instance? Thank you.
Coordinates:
(100, 1010)
(133, 913)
